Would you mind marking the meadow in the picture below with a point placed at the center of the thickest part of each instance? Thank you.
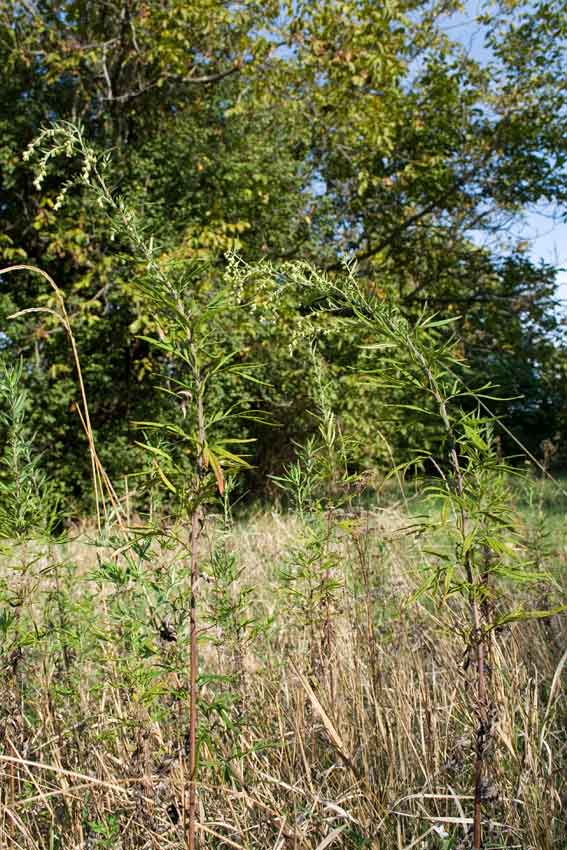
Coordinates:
(363, 656)
(335, 708)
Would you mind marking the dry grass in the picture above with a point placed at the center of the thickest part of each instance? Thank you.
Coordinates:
(344, 724)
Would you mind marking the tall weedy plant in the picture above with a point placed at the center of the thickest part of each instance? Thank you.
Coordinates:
(480, 560)
(198, 452)
(197, 447)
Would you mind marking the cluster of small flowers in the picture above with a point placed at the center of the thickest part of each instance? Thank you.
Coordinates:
(63, 140)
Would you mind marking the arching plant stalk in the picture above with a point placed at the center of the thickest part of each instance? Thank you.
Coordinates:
(101, 481)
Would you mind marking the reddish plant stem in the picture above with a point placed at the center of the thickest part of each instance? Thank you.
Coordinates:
(196, 526)
(477, 638)
(193, 668)
(480, 742)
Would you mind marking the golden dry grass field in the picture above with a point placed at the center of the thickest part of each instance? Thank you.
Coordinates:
(334, 708)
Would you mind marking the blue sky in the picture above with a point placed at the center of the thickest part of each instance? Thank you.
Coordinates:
(549, 241)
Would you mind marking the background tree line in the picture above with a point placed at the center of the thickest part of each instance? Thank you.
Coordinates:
(318, 131)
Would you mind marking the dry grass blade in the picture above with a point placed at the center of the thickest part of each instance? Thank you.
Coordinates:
(330, 728)
(72, 791)
(555, 683)
(73, 774)
(417, 841)
(331, 838)
(228, 841)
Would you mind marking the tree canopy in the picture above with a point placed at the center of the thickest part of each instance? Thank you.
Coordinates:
(316, 130)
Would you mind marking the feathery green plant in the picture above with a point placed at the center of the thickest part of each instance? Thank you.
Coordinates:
(483, 563)
(197, 449)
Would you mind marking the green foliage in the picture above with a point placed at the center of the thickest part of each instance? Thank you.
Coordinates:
(312, 131)
(28, 505)
(261, 207)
